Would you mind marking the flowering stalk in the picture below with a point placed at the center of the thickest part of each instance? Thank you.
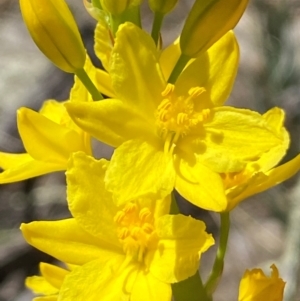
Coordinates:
(160, 9)
(181, 63)
(217, 270)
(85, 79)
(191, 289)
(97, 3)
(157, 23)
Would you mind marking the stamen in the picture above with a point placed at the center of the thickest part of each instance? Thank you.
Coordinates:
(168, 90)
(144, 214)
(196, 91)
(177, 115)
(134, 230)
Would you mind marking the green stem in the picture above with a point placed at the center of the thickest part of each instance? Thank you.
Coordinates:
(182, 61)
(96, 3)
(191, 289)
(174, 207)
(157, 22)
(133, 15)
(83, 76)
(217, 269)
(115, 22)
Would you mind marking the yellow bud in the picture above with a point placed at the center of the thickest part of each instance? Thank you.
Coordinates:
(163, 7)
(54, 30)
(256, 286)
(207, 22)
(117, 7)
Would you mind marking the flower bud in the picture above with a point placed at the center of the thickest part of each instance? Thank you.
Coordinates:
(256, 286)
(207, 22)
(54, 30)
(163, 7)
(117, 7)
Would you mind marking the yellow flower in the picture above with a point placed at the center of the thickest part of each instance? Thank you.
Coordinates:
(49, 283)
(49, 137)
(177, 135)
(54, 30)
(123, 252)
(256, 286)
(247, 183)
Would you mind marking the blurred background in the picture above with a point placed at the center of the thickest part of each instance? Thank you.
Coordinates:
(265, 228)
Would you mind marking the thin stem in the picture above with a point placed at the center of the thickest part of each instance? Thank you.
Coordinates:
(96, 3)
(85, 79)
(174, 207)
(182, 61)
(115, 22)
(133, 15)
(217, 269)
(191, 289)
(157, 22)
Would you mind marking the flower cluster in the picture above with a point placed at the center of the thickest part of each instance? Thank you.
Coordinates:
(164, 113)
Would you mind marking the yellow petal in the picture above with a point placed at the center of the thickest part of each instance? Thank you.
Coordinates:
(99, 278)
(139, 168)
(110, 121)
(182, 239)
(275, 120)
(39, 285)
(199, 185)
(103, 44)
(88, 198)
(66, 241)
(135, 72)
(215, 70)
(19, 167)
(56, 112)
(169, 57)
(236, 134)
(53, 110)
(45, 140)
(150, 288)
(256, 286)
(53, 274)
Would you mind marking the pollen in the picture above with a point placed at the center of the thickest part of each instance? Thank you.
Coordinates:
(134, 226)
(176, 115)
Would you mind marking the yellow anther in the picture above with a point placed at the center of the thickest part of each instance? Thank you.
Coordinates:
(130, 207)
(123, 233)
(136, 232)
(119, 217)
(196, 91)
(168, 90)
(145, 214)
(148, 228)
(205, 113)
(182, 118)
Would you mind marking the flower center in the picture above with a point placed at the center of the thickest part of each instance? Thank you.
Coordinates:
(234, 179)
(135, 226)
(176, 116)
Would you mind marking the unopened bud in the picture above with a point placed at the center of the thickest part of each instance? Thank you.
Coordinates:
(54, 30)
(117, 7)
(207, 22)
(162, 7)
